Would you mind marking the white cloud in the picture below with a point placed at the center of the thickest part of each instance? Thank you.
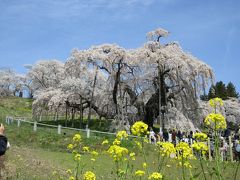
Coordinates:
(61, 8)
(65, 9)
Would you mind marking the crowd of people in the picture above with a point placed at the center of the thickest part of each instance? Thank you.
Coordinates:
(175, 136)
(172, 136)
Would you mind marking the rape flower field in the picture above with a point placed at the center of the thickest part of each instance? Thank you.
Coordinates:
(120, 158)
(42, 163)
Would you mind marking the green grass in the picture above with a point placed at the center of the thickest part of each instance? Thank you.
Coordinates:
(22, 107)
(15, 106)
(35, 155)
(28, 163)
(38, 154)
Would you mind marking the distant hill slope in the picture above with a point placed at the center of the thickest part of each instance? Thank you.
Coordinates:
(15, 106)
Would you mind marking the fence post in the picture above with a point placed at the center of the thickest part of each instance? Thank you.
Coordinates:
(6, 120)
(59, 129)
(222, 158)
(209, 150)
(11, 120)
(35, 126)
(88, 133)
(18, 123)
(230, 148)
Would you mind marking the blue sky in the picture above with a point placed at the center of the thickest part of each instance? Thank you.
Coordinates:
(32, 30)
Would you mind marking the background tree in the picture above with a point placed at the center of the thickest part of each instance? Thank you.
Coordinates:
(176, 75)
(144, 83)
(220, 90)
(11, 83)
(231, 90)
(211, 93)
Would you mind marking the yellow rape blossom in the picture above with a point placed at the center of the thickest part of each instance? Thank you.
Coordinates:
(70, 147)
(94, 153)
(121, 135)
(139, 129)
(89, 175)
(139, 145)
(77, 157)
(156, 176)
(184, 150)
(116, 142)
(85, 149)
(187, 164)
(215, 102)
(146, 140)
(105, 142)
(77, 138)
(166, 148)
(139, 173)
(121, 172)
(132, 155)
(144, 165)
(117, 152)
(200, 136)
(215, 121)
(69, 171)
(71, 178)
(200, 146)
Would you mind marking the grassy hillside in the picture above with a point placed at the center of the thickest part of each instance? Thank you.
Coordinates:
(15, 106)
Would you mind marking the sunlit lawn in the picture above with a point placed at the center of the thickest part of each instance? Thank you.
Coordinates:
(36, 155)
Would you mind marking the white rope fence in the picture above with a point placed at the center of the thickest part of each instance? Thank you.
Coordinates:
(10, 120)
(19, 120)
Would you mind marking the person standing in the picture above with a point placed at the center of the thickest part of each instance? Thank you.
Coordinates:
(3, 141)
(174, 137)
(165, 135)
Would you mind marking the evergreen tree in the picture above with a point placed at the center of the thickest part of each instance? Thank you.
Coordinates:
(204, 97)
(211, 93)
(220, 90)
(231, 90)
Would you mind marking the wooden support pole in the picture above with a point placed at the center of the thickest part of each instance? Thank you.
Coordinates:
(230, 148)
(209, 150)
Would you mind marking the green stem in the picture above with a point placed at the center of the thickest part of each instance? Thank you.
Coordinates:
(77, 168)
(202, 168)
(126, 170)
(159, 157)
(235, 174)
(117, 169)
(183, 171)
(190, 172)
(217, 157)
(144, 155)
(161, 165)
